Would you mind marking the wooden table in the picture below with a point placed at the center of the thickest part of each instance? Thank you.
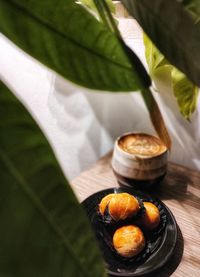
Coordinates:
(180, 191)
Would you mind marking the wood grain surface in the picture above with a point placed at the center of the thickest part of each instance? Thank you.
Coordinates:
(180, 191)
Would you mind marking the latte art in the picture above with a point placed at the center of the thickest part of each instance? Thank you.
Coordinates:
(142, 144)
(142, 147)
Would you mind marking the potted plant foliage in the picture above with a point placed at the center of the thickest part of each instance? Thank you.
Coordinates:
(44, 231)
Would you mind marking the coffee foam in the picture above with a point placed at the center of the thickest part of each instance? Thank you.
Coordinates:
(142, 144)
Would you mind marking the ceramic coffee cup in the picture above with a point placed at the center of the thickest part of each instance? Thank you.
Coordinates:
(139, 160)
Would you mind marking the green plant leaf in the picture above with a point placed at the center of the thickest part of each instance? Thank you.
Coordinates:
(185, 91)
(69, 40)
(154, 58)
(44, 231)
(173, 30)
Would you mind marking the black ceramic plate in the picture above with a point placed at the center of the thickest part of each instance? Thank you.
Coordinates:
(160, 249)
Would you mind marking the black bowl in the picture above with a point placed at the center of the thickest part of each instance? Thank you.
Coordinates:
(160, 243)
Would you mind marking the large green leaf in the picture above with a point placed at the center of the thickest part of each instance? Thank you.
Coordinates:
(69, 40)
(185, 91)
(173, 30)
(44, 231)
(154, 58)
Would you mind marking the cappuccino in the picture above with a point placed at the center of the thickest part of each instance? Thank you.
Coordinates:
(142, 145)
(139, 160)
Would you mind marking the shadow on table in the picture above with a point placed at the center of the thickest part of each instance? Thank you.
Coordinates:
(179, 185)
(174, 261)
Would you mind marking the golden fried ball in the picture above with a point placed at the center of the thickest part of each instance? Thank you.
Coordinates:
(128, 241)
(120, 206)
(151, 218)
(104, 202)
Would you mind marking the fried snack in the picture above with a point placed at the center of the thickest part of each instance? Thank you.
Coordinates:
(128, 241)
(120, 206)
(151, 218)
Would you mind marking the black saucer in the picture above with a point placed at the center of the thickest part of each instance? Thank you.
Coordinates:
(158, 255)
